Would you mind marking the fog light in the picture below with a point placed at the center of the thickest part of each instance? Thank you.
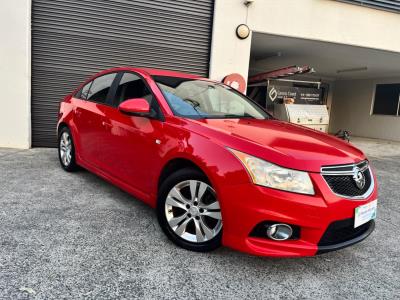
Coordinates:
(279, 232)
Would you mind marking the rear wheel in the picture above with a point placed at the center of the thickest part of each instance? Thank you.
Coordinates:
(189, 211)
(66, 150)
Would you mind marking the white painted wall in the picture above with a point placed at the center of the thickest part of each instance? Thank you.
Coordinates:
(323, 20)
(229, 54)
(15, 73)
(351, 110)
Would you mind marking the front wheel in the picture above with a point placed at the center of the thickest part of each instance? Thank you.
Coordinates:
(66, 150)
(189, 212)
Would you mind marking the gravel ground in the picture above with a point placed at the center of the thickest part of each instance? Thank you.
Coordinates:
(66, 235)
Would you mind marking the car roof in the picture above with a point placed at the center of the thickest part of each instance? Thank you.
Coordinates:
(143, 72)
(153, 72)
(159, 72)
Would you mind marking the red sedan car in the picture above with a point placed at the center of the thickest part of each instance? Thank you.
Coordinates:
(216, 166)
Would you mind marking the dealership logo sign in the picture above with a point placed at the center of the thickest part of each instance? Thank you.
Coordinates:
(273, 93)
(359, 178)
(299, 95)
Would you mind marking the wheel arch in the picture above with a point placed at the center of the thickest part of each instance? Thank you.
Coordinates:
(219, 166)
(60, 126)
(174, 165)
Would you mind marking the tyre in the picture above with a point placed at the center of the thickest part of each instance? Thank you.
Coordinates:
(189, 212)
(66, 150)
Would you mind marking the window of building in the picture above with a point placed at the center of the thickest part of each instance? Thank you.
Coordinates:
(99, 89)
(387, 99)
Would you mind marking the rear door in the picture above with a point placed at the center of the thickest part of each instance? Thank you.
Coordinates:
(90, 119)
(133, 149)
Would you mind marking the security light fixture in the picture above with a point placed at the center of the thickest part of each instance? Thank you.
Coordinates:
(242, 31)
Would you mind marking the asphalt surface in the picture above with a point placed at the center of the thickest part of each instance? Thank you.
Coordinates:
(73, 235)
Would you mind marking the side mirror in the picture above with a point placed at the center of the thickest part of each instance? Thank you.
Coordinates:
(136, 106)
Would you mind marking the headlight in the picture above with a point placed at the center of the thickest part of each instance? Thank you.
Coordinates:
(273, 176)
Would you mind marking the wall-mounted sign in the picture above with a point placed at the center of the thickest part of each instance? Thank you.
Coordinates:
(277, 94)
(235, 81)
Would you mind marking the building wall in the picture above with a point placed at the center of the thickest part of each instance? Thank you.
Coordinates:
(15, 70)
(351, 110)
(228, 53)
(324, 20)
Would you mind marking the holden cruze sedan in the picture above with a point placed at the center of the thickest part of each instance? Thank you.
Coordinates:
(218, 169)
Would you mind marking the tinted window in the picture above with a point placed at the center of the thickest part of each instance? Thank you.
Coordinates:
(84, 91)
(99, 89)
(132, 86)
(387, 99)
(78, 94)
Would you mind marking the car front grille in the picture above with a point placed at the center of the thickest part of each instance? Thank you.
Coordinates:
(342, 180)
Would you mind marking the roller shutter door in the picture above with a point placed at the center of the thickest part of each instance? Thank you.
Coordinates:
(389, 5)
(73, 39)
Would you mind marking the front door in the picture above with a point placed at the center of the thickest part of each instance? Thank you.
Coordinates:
(133, 147)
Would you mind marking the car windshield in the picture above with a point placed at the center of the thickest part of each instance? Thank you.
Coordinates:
(196, 98)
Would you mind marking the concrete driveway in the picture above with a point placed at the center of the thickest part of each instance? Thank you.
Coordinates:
(66, 235)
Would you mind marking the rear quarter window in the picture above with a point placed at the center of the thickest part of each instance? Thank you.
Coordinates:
(100, 88)
(83, 92)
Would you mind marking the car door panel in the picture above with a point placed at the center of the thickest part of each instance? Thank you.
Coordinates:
(131, 149)
(90, 119)
(131, 140)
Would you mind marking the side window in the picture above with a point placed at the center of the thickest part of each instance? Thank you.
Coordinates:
(132, 86)
(99, 89)
(82, 94)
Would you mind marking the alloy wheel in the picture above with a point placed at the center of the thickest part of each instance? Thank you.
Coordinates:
(193, 212)
(66, 149)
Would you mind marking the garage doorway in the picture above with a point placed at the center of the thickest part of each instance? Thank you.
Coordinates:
(347, 78)
(73, 39)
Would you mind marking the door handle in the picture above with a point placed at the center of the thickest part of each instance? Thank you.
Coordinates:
(106, 125)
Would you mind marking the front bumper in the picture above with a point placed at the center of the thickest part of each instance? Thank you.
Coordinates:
(245, 206)
(345, 236)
